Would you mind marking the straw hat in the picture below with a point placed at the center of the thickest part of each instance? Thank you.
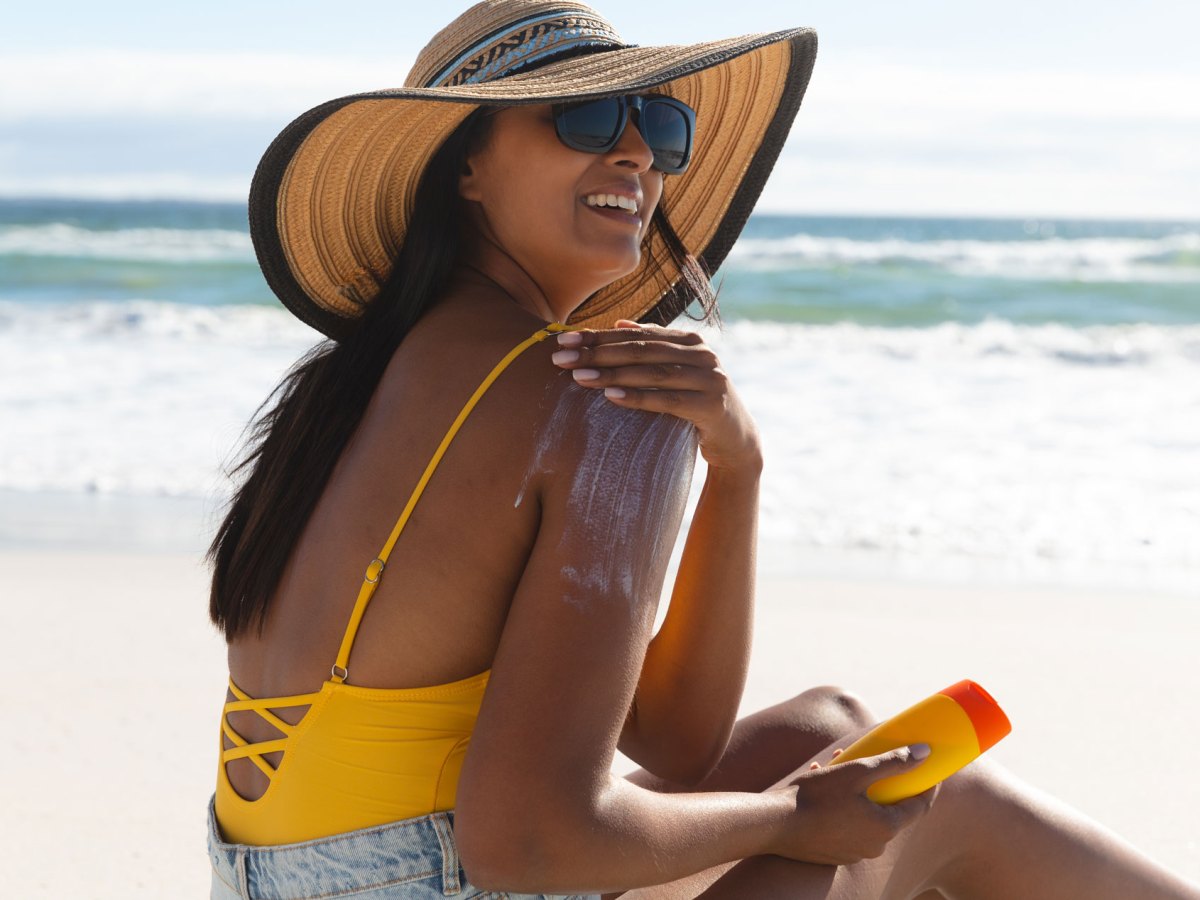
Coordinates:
(332, 196)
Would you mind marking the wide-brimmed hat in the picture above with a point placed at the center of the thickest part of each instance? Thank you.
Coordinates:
(332, 196)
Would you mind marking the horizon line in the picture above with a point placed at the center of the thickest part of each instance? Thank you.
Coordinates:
(979, 215)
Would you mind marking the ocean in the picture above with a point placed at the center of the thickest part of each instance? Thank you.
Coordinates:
(967, 398)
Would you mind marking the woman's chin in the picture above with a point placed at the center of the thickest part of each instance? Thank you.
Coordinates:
(597, 264)
(616, 266)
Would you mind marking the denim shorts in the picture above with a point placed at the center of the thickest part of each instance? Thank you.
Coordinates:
(414, 858)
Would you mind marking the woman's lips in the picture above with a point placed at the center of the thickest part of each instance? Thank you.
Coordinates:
(616, 214)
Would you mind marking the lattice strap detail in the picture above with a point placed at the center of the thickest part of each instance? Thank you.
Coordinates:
(244, 749)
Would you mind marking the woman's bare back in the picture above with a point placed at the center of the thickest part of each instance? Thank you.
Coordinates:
(439, 610)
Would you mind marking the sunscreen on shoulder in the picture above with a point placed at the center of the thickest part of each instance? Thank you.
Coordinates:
(958, 724)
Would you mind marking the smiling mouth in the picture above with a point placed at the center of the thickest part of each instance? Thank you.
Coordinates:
(612, 201)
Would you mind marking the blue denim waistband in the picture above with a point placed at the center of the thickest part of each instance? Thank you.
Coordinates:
(393, 854)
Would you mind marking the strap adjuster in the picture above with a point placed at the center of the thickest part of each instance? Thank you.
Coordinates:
(378, 572)
(333, 673)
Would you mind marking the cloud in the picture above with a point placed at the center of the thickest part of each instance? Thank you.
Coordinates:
(872, 136)
(862, 94)
(886, 137)
(853, 85)
(97, 83)
(920, 187)
(130, 186)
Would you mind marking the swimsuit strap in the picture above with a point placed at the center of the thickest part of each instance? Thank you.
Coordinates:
(375, 569)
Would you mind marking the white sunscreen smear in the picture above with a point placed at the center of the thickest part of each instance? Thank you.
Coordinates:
(628, 491)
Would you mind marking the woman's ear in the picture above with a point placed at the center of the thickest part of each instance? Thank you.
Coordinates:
(468, 182)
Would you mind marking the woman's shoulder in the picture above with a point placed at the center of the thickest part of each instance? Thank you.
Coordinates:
(469, 337)
(463, 340)
(452, 352)
(469, 319)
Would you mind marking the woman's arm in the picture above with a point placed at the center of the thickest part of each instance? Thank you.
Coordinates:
(695, 669)
(537, 807)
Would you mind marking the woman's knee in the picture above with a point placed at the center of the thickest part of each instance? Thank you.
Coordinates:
(983, 783)
(835, 710)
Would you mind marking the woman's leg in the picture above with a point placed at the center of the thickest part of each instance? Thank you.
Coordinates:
(764, 749)
(1013, 840)
(769, 744)
(988, 834)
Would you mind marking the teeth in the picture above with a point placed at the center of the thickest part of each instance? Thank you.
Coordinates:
(612, 200)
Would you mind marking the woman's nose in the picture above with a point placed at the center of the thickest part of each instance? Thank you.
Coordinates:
(632, 147)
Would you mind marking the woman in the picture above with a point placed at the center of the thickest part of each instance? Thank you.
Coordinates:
(442, 234)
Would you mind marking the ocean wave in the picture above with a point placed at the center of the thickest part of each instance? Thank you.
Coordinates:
(1092, 345)
(165, 245)
(1173, 258)
(96, 323)
(232, 326)
(997, 440)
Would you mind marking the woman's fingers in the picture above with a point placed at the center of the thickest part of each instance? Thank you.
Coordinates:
(683, 404)
(656, 375)
(665, 370)
(893, 762)
(836, 754)
(908, 811)
(642, 349)
(646, 333)
(652, 375)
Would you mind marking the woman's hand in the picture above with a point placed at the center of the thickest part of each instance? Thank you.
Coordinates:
(835, 823)
(666, 370)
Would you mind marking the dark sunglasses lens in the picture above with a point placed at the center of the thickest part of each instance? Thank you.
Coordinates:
(667, 132)
(590, 126)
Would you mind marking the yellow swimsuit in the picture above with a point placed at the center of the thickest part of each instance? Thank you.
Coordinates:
(360, 756)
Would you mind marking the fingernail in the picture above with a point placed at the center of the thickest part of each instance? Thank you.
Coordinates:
(615, 392)
(565, 356)
(570, 339)
(586, 374)
(919, 751)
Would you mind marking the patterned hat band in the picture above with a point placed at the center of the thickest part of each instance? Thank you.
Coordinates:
(528, 44)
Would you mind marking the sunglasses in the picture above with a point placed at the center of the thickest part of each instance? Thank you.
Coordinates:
(595, 126)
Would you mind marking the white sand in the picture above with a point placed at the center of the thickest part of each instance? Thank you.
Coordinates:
(116, 680)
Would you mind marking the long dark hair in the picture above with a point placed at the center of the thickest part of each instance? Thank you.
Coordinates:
(301, 429)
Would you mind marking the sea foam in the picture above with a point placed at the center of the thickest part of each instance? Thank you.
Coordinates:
(60, 239)
(1171, 258)
(1030, 445)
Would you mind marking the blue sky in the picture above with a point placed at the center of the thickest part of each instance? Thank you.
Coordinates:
(1051, 108)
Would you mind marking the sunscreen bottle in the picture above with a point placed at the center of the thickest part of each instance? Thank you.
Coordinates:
(958, 724)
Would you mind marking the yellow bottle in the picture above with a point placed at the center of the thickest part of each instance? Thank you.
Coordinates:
(958, 724)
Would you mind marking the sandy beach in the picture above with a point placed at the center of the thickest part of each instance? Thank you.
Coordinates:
(111, 756)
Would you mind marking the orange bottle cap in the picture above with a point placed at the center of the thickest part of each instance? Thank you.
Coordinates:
(989, 720)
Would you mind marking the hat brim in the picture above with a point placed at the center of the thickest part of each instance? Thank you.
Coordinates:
(331, 198)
